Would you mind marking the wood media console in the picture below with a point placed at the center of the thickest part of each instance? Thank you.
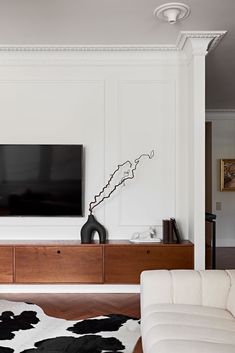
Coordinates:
(116, 262)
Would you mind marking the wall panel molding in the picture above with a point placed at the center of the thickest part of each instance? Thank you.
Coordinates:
(54, 111)
(143, 119)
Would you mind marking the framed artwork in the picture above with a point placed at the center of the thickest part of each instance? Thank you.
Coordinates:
(227, 172)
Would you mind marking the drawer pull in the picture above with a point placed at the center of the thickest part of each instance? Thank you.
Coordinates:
(148, 251)
(58, 251)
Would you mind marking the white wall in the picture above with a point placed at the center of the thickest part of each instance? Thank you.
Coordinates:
(118, 106)
(223, 147)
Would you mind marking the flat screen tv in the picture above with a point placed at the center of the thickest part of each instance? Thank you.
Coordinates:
(41, 180)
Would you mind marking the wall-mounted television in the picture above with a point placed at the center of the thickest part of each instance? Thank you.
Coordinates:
(41, 180)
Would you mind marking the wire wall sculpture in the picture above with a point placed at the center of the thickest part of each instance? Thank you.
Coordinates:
(92, 226)
(128, 175)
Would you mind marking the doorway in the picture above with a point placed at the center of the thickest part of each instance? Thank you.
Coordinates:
(210, 242)
(219, 134)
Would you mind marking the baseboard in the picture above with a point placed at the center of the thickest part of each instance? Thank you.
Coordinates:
(220, 243)
(71, 288)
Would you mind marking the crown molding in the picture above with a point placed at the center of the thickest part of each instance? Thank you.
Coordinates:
(85, 48)
(215, 36)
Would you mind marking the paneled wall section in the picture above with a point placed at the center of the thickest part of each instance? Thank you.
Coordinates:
(117, 111)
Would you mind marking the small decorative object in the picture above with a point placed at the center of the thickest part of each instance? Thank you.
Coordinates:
(170, 231)
(89, 228)
(167, 231)
(92, 225)
(176, 230)
(227, 172)
(149, 236)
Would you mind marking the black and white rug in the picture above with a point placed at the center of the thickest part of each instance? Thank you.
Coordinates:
(25, 328)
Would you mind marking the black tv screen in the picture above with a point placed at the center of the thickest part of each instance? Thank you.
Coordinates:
(41, 180)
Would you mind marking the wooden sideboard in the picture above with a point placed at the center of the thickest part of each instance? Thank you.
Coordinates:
(6, 264)
(116, 262)
(56, 264)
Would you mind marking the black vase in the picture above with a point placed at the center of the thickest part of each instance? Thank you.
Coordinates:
(89, 228)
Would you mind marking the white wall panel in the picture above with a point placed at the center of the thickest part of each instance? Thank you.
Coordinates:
(45, 111)
(145, 121)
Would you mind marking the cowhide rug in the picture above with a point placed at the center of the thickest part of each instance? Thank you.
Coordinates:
(25, 328)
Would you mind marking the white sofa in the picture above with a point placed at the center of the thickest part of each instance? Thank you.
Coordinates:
(188, 311)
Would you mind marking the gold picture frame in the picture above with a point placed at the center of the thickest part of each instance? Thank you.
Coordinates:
(227, 174)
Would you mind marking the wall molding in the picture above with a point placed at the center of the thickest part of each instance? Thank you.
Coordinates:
(215, 36)
(220, 114)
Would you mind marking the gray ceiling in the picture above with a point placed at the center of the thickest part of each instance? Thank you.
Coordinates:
(84, 22)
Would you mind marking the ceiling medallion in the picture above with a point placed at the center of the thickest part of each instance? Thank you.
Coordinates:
(172, 12)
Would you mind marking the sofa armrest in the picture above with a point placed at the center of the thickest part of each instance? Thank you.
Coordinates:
(231, 296)
(155, 288)
(214, 288)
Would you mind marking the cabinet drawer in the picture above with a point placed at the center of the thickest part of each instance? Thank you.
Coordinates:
(54, 264)
(124, 264)
(6, 264)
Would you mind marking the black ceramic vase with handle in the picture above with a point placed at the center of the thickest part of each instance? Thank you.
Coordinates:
(90, 228)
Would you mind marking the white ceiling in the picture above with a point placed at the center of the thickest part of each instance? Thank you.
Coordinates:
(84, 22)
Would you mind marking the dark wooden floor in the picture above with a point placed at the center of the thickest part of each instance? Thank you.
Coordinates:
(81, 306)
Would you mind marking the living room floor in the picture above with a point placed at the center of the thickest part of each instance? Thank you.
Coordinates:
(82, 306)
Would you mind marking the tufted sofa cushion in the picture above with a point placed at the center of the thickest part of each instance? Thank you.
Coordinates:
(186, 311)
(231, 296)
(209, 288)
